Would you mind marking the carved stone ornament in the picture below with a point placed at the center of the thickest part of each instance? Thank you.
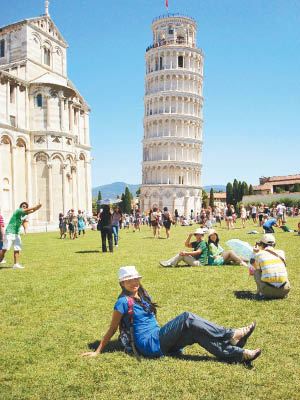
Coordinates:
(69, 141)
(39, 139)
(56, 139)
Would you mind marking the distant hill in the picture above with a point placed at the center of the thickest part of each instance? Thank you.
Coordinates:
(117, 188)
(217, 188)
(114, 189)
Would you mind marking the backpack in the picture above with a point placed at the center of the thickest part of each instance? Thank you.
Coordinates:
(126, 337)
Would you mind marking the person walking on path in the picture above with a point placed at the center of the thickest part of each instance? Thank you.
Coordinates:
(167, 221)
(1, 234)
(12, 232)
(81, 223)
(106, 228)
(195, 257)
(116, 219)
(184, 330)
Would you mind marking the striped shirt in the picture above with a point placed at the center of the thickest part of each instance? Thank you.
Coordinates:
(272, 268)
(1, 222)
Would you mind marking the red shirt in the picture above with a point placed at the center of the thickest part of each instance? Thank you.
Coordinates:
(1, 222)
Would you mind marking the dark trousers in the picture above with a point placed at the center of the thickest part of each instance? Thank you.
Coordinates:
(106, 232)
(268, 230)
(188, 328)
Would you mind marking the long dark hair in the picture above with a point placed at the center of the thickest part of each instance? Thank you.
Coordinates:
(143, 294)
(216, 242)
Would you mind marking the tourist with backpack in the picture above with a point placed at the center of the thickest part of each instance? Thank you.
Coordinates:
(167, 221)
(135, 310)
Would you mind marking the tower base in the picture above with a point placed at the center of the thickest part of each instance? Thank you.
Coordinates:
(185, 199)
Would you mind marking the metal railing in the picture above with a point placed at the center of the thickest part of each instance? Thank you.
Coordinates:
(172, 15)
(171, 41)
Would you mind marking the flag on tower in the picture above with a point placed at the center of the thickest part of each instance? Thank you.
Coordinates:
(167, 3)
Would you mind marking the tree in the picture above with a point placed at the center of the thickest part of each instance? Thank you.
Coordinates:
(235, 192)
(211, 198)
(126, 203)
(251, 191)
(138, 192)
(204, 198)
(240, 192)
(229, 193)
(99, 198)
(245, 189)
(297, 187)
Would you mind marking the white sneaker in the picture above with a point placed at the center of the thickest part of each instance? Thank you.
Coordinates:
(117, 245)
(3, 261)
(18, 266)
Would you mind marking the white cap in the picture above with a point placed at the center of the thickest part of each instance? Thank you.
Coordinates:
(129, 272)
(199, 231)
(268, 239)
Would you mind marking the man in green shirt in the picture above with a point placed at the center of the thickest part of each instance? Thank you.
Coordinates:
(195, 257)
(12, 232)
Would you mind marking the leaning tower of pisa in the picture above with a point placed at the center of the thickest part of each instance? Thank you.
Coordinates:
(172, 143)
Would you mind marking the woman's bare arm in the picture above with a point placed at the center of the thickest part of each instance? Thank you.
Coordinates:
(115, 321)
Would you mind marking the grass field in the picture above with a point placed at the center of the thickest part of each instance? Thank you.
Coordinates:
(62, 302)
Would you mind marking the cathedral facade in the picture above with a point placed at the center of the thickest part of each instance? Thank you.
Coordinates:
(172, 143)
(44, 125)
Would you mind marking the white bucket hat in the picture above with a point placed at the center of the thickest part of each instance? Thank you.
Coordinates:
(129, 272)
(199, 231)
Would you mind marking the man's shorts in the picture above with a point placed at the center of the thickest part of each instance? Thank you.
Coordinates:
(11, 238)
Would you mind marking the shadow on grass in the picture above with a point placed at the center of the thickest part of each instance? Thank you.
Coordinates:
(87, 251)
(247, 295)
(111, 347)
(114, 346)
(6, 267)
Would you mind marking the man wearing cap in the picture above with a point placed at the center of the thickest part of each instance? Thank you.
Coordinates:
(270, 269)
(195, 257)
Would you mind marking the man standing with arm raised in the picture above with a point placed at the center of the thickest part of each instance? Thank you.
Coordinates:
(12, 232)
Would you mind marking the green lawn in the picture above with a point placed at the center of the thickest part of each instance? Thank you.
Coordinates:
(62, 302)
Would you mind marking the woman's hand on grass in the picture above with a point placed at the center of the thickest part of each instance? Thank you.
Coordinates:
(89, 354)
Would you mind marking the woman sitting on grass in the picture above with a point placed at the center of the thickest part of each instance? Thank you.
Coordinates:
(184, 330)
(217, 255)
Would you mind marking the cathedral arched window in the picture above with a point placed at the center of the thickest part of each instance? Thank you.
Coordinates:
(46, 56)
(171, 30)
(39, 100)
(2, 48)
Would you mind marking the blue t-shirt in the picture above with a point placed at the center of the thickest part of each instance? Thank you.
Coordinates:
(145, 327)
(270, 222)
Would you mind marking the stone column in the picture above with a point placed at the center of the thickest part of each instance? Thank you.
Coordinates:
(48, 123)
(73, 173)
(35, 188)
(50, 192)
(13, 170)
(17, 89)
(71, 117)
(64, 188)
(62, 114)
(26, 108)
(7, 101)
(186, 206)
(28, 177)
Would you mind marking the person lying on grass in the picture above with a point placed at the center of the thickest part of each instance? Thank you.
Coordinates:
(217, 255)
(195, 257)
(184, 330)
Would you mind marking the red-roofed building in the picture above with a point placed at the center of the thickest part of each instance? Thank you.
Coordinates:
(271, 184)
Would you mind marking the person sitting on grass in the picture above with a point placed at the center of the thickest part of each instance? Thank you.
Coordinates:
(12, 232)
(270, 271)
(184, 330)
(268, 225)
(286, 228)
(195, 257)
(217, 255)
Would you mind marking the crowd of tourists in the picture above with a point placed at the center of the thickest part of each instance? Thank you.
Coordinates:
(135, 312)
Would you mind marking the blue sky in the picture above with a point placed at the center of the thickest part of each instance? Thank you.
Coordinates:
(251, 80)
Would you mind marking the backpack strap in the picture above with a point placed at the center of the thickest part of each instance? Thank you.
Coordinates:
(130, 303)
(276, 255)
